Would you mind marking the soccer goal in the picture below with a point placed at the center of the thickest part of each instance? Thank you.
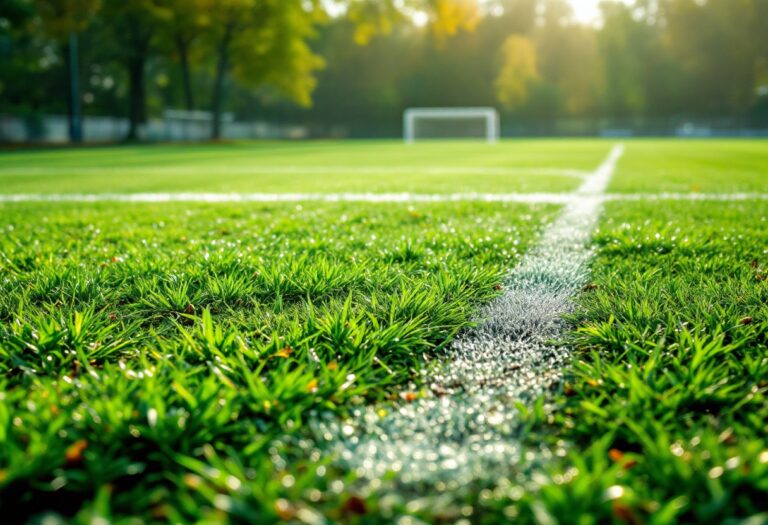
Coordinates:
(457, 123)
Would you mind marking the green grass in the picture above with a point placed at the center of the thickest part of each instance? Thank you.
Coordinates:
(137, 340)
(667, 397)
(160, 362)
(706, 166)
(245, 167)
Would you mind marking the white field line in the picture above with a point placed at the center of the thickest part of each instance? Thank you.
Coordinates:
(223, 169)
(467, 428)
(384, 198)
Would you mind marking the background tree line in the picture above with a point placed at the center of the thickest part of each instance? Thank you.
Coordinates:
(358, 66)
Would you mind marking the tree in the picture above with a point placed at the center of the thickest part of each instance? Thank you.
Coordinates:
(131, 26)
(182, 23)
(518, 70)
(262, 42)
(63, 21)
(621, 44)
(717, 47)
(568, 58)
(445, 17)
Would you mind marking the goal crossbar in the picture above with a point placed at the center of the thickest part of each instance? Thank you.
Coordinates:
(490, 115)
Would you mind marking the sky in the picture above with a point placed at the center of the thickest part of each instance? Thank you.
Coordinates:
(585, 11)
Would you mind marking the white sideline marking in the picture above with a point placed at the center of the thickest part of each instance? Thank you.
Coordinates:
(523, 198)
(467, 428)
(302, 170)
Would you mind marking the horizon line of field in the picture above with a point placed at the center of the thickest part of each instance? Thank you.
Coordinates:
(373, 198)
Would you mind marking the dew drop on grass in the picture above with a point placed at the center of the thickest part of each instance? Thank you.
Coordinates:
(614, 492)
(716, 472)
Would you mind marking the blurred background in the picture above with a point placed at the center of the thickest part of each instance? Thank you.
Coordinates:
(192, 70)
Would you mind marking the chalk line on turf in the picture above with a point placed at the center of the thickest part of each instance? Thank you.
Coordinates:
(466, 428)
(373, 198)
(223, 169)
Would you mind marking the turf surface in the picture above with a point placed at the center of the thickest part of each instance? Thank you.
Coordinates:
(133, 337)
(161, 362)
(304, 167)
(697, 166)
(667, 399)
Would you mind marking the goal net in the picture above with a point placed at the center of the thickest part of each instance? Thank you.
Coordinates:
(451, 123)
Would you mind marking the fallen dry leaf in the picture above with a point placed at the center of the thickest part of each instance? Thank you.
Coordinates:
(354, 505)
(284, 353)
(74, 453)
(409, 396)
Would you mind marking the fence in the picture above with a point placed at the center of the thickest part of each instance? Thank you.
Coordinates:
(179, 126)
(53, 129)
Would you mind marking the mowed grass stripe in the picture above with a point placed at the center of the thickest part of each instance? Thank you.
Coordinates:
(302, 167)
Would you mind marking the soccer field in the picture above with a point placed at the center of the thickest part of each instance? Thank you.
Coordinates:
(546, 331)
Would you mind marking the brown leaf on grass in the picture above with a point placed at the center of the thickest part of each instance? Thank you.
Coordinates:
(354, 505)
(745, 320)
(285, 353)
(617, 456)
(190, 309)
(590, 287)
(74, 452)
(285, 509)
(624, 513)
(409, 396)
(497, 287)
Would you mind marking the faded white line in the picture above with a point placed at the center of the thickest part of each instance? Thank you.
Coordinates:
(384, 198)
(467, 428)
(223, 169)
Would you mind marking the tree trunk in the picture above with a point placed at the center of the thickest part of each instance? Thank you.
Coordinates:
(222, 66)
(74, 113)
(137, 95)
(182, 48)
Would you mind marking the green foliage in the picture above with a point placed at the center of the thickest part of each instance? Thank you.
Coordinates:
(270, 60)
(517, 73)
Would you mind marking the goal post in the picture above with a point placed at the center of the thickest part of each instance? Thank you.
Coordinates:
(471, 123)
